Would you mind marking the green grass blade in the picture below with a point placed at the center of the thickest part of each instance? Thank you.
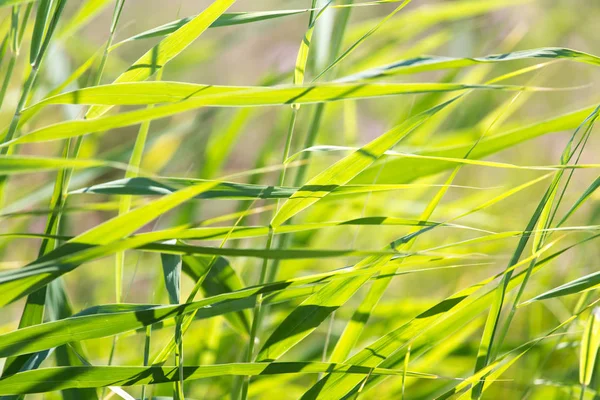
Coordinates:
(232, 190)
(434, 63)
(59, 378)
(590, 342)
(579, 285)
(225, 19)
(40, 27)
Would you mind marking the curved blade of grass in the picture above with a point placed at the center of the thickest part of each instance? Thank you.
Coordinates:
(229, 19)
(230, 190)
(260, 96)
(206, 95)
(582, 199)
(585, 283)
(225, 19)
(214, 95)
(481, 163)
(434, 63)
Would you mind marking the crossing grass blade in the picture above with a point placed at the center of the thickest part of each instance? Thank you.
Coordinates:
(59, 378)
(579, 285)
(336, 131)
(432, 63)
(231, 190)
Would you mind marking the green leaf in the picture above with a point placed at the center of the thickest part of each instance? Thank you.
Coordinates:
(152, 92)
(39, 29)
(590, 342)
(60, 378)
(578, 285)
(582, 199)
(190, 96)
(225, 19)
(171, 265)
(15, 164)
(434, 63)
(230, 190)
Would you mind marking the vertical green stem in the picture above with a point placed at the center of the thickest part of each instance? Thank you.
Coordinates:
(146, 355)
(264, 271)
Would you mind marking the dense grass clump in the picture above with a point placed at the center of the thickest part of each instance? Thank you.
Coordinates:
(316, 199)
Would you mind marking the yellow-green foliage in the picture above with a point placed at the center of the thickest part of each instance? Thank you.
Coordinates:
(315, 199)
